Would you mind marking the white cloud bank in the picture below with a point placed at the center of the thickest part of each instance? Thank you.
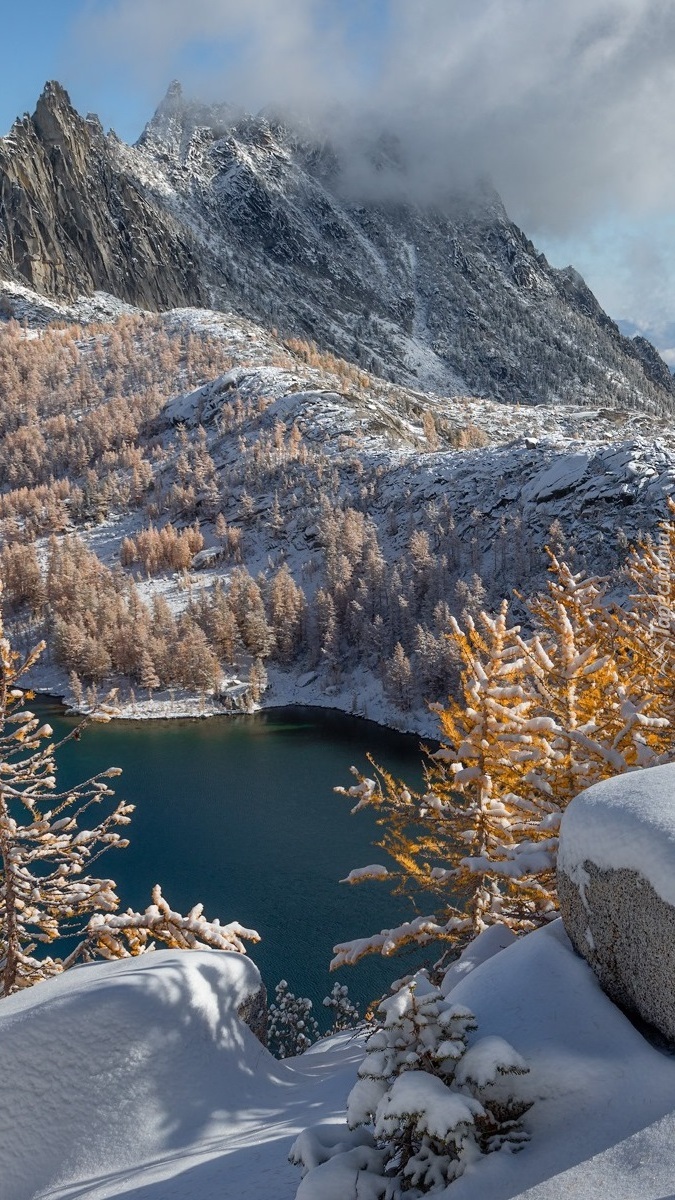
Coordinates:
(566, 105)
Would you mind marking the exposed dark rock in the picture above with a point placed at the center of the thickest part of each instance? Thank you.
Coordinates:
(73, 221)
(253, 1012)
(654, 366)
(626, 932)
(615, 886)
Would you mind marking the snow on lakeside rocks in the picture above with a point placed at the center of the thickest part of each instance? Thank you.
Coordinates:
(605, 1096)
(616, 883)
(139, 1078)
(627, 822)
(602, 1124)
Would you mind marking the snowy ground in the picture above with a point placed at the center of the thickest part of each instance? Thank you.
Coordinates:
(137, 1079)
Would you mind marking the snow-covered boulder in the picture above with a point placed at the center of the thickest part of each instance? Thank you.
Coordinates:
(616, 883)
(119, 1068)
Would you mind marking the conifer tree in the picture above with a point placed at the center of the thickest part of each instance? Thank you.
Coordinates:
(431, 1104)
(398, 678)
(286, 606)
(345, 1012)
(291, 1027)
(479, 834)
(148, 677)
(125, 935)
(257, 678)
(645, 626)
(603, 719)
(44, 886)
(537, 719)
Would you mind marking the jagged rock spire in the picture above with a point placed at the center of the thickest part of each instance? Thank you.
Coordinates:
(71, 221)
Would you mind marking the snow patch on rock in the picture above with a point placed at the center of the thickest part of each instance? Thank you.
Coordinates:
(627, 822)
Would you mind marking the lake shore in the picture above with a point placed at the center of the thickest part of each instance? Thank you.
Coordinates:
(360, 697)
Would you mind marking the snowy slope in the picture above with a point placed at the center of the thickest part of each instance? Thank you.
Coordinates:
(593, 478)
(137, 1079)
(604, 1120)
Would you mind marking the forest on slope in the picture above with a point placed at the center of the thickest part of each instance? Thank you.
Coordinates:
(187, 498)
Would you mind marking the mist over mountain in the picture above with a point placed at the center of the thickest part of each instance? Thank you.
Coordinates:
(288, 226)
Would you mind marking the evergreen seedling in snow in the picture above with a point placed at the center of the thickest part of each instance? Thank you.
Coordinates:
(345, 1012)
(431, 1103)
(291, 1028)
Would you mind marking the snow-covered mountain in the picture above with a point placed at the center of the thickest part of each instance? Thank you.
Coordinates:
(661, 335)
(213, 207)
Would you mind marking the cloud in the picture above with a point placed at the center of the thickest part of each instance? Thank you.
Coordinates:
(566, 106)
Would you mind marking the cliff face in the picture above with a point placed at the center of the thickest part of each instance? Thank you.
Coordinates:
(213, 206)
(71, 221)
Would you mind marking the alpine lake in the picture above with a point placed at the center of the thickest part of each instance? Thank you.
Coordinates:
(239, 813)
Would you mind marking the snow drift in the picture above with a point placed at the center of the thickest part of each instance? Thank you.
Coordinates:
(137, 1078)
(118, 1075)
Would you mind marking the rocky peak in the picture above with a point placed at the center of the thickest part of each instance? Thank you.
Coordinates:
(170, 132)
(213, 206)
(54, 114)
(60, 129)
(174, 92)
(72, 221)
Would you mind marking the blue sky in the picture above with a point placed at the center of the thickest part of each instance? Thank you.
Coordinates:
(566, 106)
(47, 39)
(40, 43)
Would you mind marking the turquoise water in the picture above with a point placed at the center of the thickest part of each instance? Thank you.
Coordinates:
(239, 813)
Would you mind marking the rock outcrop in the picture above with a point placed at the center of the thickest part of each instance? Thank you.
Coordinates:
(72, 221)
(616, 884)
(251, 213)
(253, 1012)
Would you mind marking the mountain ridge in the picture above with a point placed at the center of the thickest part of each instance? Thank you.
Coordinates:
(216, 208)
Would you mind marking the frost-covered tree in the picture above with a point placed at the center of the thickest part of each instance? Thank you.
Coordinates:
(286, 606)
(398, 678)
(645, 625)
(148, 677)
(125, 935)
(44, 855)
(431, 1104)
(47, 889)
(601, 712)
(345, 1013)
(478, 840)
(291, 1028)
(257, 679)
(537, 718)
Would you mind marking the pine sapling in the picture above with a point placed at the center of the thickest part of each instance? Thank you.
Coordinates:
(430, 1102)
(345, 1013)
(291, 1029)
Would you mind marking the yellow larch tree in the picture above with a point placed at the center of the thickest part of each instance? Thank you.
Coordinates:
(603, 721)
(537, 719)
(645, 625)
(481, 841)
